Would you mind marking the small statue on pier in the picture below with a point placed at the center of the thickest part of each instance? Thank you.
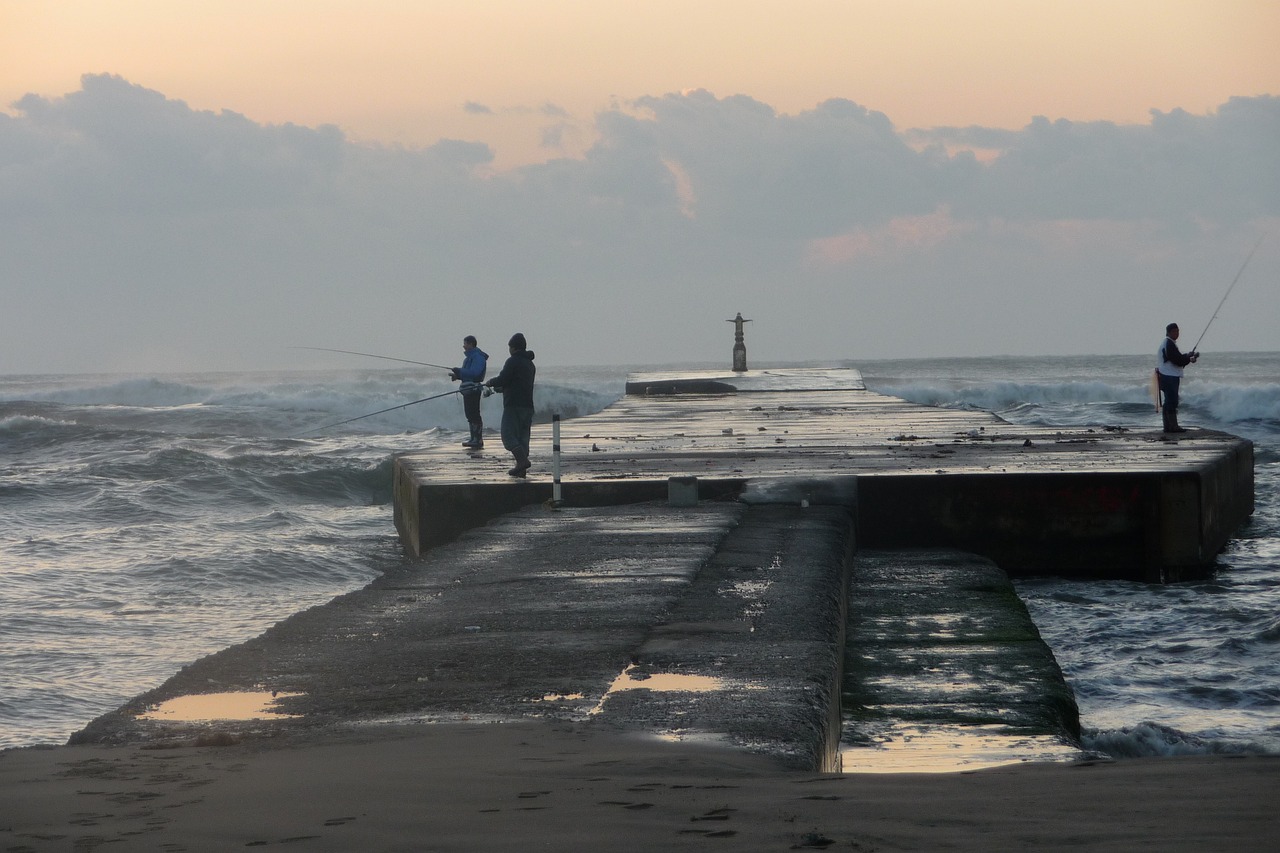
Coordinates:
(739, 344)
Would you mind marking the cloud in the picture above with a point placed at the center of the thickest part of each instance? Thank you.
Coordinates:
(899, 234)
(131, 225)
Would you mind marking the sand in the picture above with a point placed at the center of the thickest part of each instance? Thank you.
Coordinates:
(556, 786)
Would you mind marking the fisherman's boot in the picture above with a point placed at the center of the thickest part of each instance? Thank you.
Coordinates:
(477, 436)
(522, 465)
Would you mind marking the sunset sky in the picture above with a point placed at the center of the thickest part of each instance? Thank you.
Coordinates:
(405, 71)
(355, 174)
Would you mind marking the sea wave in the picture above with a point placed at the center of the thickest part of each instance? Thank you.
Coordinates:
(1148, 739)
(1257, 404)
(1241, 403)
(1001, 395)
(367, 402)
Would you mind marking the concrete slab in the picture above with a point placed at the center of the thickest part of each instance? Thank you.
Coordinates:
(748, 381)
(754, 644)
(723, 622)
(944, 669)
(534, 615)
(1095, 502)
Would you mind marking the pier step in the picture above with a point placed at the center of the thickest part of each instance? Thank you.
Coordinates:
(945, 668)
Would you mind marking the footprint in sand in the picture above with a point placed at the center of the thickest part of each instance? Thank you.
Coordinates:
(715, 814)
(626, 804)
(707, 833)
(290, 840)
(89, 818)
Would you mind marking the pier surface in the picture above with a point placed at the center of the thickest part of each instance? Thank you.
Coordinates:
(838, 597)
(1092, 502)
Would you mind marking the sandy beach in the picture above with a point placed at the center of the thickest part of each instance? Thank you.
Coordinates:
(556, 786)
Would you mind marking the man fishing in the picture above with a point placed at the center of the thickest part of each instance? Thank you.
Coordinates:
(515, 383)
(1170, 362)
(474, 363)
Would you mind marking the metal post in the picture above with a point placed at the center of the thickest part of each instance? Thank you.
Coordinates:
(555, 461)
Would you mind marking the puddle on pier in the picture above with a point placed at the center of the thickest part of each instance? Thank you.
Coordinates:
(664, 682)
(210, 707)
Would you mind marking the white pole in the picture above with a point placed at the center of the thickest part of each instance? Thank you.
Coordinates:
(555, 460)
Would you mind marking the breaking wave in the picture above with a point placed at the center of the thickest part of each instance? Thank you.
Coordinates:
(1149, 740)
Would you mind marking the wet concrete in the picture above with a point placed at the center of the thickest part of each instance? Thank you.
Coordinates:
(759, 616)
(764, 621)
(940, 640)
(1094, 502)
(535, 614)
(723, 622)
(540, 613)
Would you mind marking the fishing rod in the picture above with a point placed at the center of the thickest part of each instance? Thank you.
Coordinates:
(371, 355)
(1228, 293)
(379, 412)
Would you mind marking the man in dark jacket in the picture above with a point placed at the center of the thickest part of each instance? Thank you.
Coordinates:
(471, 374)
(515, 383)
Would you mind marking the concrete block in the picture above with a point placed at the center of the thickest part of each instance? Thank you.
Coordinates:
(682, 491)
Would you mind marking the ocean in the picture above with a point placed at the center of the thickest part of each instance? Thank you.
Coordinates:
(149, 520)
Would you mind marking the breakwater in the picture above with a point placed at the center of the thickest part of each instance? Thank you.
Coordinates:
(736, 619)
(1090, 502)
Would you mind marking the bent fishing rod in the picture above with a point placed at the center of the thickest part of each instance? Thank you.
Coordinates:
(371, 355)
(1228, 293)
(379, 412)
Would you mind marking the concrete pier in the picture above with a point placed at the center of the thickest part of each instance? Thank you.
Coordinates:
(777, 560)
(1098, 503)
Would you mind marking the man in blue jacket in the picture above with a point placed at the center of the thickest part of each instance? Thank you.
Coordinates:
(515, 383)
(474, 363)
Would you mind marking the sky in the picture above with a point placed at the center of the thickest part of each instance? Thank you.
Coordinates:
(204, 186)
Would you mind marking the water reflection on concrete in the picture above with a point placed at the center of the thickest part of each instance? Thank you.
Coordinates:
(951, 749)
(664, 681)
(244, 705)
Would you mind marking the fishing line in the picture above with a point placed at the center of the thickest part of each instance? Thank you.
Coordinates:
(1228, 293)
(371, 355)
(379, 412)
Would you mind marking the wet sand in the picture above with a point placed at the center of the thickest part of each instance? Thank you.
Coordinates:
(560, 786)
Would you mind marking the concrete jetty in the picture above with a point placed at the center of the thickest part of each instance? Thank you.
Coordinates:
(1090, 502)
(837, 596)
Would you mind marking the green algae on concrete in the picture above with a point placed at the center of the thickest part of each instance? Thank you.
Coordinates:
(939, 643)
